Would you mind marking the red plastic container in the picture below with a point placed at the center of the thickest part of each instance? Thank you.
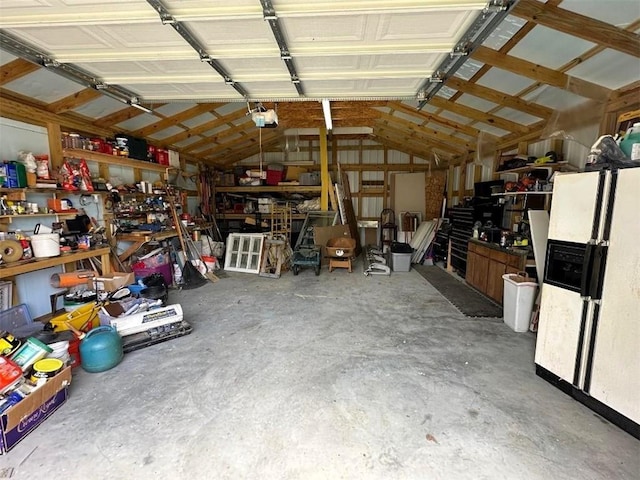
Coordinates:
(74, 352)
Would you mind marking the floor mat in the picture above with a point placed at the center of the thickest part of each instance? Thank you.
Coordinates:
(463, 297)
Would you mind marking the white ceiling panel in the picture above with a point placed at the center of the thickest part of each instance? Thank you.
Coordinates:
(100, 107)
(6, 57)
(171, 109)
(446, 92)
(199, 120)
(504, 32)
(440, 128)
(504, 81)
(455, 117)
(516, 116)
(498, 132)
(616, 12)
(138, 122)
(188, 141)
(469, 69)
(229, 108)
(476, 102)
(167, 132)
(609, 68)
(213, 131)
(181, 92)
(555, 98)
(228, 36)
(114, 71)
(44, 85)
(535, 47)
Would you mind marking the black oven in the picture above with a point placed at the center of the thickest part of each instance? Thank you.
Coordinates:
(564, 264)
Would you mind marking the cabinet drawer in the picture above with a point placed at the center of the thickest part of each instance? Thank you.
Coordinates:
(516, 261)
(481, 250)
(499, 256)
(472, 247)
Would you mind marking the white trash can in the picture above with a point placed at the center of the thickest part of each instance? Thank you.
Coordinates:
(519, 295)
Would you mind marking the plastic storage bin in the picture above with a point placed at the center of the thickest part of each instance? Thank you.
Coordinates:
(400, 262)
(519, 295)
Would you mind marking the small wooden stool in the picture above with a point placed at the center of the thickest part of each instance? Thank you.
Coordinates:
(339, 262)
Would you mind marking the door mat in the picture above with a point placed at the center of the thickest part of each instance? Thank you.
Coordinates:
(463, 297)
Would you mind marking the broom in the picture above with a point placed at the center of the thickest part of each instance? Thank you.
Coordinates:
(191, 277)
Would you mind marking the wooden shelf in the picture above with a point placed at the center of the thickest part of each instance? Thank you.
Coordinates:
(528, 168)
(271, 189)
(31, 215)
(511, 194)
(114, 160)
(264, 216)
(18, 268)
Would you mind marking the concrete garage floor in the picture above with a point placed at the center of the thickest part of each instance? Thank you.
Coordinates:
(339, 376)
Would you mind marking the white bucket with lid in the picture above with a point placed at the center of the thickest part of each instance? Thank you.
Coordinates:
(45, 245)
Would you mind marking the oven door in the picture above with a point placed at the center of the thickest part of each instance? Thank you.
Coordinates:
(567, 265)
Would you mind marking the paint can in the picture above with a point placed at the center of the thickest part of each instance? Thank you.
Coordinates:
(45, 369)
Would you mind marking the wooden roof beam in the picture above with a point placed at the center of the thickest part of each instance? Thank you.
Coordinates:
(430, 135)
(401, 136)
(70, 102)
(217, 137)
(428, 117)
(198, 130)
(580, 26)
(175, 120)
(243, 152)
(502, 99)
(477, 115)
(16, 69)
(541, 74)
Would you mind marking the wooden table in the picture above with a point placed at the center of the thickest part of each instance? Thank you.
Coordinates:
(66, 259)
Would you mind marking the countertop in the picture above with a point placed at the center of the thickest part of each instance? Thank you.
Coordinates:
(520, 251)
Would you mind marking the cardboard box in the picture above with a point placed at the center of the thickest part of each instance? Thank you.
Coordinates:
(21, 419)
(112, 281)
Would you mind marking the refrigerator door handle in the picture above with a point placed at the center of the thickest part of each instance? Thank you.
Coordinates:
(596, 280)
(587, 269)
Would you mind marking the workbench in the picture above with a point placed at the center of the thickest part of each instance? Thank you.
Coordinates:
(66, 259)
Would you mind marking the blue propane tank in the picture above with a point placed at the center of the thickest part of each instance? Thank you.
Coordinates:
(101, 349)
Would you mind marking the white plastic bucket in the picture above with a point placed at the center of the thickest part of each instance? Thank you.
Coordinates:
(518, 302)
(45, 245)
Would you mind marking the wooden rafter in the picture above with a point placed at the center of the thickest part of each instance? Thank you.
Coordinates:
(200, 129)
(247, 151)
(435, 137)
(502, 99)
(70, 102)
(218, 137)
(477, 115)
(176, 119)
(402, 137)
(127, 113)
(580, 26)
(541, 74)
(16, 69)
(429, 117)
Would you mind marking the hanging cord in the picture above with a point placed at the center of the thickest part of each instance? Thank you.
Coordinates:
(260, 142)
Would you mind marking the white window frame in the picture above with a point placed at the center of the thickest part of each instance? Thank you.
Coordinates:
(244, 250)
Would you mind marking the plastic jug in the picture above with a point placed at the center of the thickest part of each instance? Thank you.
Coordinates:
(630, 144)
(101, 349)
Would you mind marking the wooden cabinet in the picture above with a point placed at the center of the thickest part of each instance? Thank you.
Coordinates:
(487, 263)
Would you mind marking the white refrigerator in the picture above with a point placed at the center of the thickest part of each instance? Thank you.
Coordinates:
(588, 341)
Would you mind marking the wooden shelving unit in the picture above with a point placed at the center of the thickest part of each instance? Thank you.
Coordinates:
(114, 160)
(271, 189)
